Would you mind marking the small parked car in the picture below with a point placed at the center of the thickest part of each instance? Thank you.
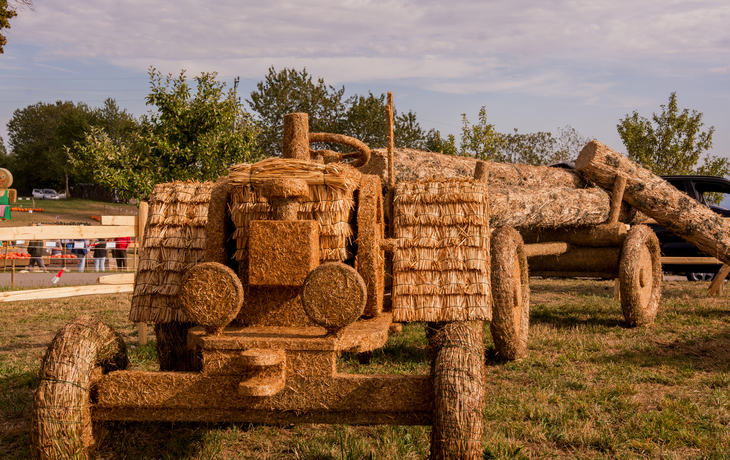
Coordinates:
(50, 194)
(38, 193)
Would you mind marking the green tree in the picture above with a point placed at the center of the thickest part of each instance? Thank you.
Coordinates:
(38, 136)
(7, 12)
(435, 143)
(481, 140)
(290, 91)
(367, 121)
(671, 142)
(542, 148)
(188, 137)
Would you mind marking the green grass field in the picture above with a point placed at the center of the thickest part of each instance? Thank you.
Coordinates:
(590, 388)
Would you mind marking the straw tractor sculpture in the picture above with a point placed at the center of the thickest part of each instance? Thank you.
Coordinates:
(257, 282)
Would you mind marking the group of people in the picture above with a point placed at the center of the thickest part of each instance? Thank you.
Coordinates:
(80, 249)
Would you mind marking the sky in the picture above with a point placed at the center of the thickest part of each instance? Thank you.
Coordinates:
(536, 65)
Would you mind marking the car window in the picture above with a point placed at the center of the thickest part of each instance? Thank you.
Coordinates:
(717, 194)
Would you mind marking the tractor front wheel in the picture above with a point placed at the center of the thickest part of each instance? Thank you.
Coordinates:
(61, 424)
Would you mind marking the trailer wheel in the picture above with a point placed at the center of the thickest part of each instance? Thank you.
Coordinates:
(457, 369)
(61, 424)
(511, 293)
(640, 276)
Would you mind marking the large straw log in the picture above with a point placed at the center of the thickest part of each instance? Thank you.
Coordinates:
(415, 165)
(658, 199)
(547, 207)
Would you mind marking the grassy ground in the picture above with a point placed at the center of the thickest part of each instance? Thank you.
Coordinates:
(69, 210)
(590, 387)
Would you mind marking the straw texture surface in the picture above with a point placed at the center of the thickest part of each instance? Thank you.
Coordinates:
(441, 266)
(330, 203)
(61, 425)
(174, 241)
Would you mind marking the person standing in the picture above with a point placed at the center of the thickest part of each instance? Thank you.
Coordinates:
(120, 251)
(36, 250)
(80, 252)
(100, 254)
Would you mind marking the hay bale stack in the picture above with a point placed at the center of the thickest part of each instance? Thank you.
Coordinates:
(330, 203)
(61, 425)
(656, 198)
(174, 241)
(441, 265)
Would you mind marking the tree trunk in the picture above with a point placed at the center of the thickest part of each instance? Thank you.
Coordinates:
(656, 198)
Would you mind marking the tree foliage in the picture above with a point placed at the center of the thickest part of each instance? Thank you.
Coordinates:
(7, 12)
(672, 142)
(188, 137)
(290, 91)
(38, 136)
(435, 143)
(360, 116)
(483, 141)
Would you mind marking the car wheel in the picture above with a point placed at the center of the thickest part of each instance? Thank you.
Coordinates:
(697, 276)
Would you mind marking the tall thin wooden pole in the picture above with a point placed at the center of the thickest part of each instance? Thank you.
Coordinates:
(391, 161)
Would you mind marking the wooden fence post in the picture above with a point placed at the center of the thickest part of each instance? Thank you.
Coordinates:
(141, 222)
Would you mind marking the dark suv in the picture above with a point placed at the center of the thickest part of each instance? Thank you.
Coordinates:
(679, 256)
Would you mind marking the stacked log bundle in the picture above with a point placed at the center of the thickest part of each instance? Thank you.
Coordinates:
(656, 198)
(441, 263)
(174, 241)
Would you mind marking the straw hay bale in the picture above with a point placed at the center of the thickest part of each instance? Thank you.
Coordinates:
(174, 241)
(370, 260)
(273, 306)
(282, 253)
(211, 294)
(511, 292)
(61, 424)
(640, 276)
(334, 295)
(658, 199)
(441, 265)
(458, 385)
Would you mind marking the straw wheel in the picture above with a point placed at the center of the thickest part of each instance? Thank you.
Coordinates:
(61, 424)
(640, 276)
(370, 260)
(457, 369)
(511, 293)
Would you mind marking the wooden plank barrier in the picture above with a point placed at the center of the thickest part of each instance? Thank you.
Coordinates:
(72, 291)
